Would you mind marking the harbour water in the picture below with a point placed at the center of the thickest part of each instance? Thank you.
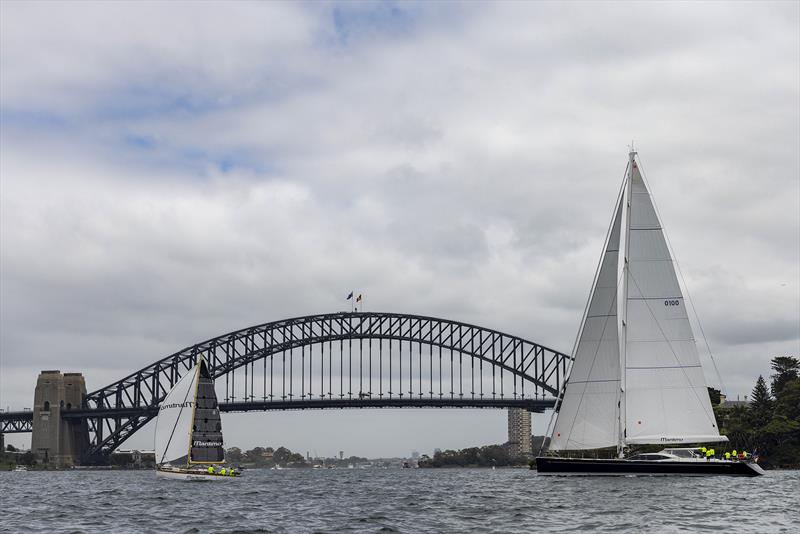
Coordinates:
(400, 500)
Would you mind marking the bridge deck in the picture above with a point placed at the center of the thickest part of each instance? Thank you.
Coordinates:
(18, 422)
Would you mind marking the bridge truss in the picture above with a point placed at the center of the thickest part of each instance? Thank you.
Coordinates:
(339, 360)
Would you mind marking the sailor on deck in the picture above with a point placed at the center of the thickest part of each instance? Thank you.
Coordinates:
(210, 470)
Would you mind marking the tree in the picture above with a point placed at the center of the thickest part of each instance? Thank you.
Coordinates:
(760, 404)
(788, 402)
(714, 396)
(786, 369)
(234, 454)
(11, 448)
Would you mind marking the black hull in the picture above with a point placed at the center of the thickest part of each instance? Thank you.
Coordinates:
(585, 466)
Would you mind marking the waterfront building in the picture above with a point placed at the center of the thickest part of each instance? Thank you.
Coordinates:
(519, 431)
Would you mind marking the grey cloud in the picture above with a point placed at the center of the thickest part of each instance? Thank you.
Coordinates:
(169, 178)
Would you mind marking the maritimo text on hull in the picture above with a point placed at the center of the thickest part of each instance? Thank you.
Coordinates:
(636, 378)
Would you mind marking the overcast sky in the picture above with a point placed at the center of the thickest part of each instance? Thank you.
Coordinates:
(170, 172)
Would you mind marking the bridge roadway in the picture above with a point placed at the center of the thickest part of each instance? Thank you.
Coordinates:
(20, 422)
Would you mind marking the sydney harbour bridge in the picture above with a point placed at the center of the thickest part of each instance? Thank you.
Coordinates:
(336, 360)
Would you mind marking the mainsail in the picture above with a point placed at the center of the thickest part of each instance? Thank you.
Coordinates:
(188, 427)
(588, 416)
(637, 377)
(206, 436)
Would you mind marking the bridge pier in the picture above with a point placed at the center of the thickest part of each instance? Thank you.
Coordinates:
(56, 441)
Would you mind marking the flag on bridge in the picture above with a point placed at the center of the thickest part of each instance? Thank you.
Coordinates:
(349, 296)
(359, 298)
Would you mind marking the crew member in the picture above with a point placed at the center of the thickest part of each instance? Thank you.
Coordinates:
(230, 471)
(708, 454)
(222, 471)
(735, 455)
(210, 470)
(727, 456)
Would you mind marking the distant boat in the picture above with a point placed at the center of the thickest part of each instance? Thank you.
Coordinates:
(20, 468)
(189, 442)
(636, 378)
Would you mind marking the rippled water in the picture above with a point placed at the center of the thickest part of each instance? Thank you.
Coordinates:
(401, 500)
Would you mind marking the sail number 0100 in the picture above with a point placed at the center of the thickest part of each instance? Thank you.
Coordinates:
(672, 303)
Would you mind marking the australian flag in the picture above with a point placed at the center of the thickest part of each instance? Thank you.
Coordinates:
(349, 296)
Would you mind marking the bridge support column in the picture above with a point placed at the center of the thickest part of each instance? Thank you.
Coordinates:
(519, 432)
(56, 441)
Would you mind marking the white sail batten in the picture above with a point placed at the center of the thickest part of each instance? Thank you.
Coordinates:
(666, 400)
(588, 413)
(174, 422)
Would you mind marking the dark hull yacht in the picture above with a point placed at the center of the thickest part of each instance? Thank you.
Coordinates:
(636, 377)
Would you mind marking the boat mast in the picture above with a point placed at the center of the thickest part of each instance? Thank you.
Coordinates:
(624, 311)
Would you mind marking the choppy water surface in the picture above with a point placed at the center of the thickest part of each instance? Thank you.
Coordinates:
(407, 500)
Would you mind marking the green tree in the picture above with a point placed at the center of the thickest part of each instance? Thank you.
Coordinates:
(786, 370)
(714, 396)
(788, 402)
(234, 454)
(27, 458)
(760, 404)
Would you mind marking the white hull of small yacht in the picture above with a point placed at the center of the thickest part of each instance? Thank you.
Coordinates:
(192, 476)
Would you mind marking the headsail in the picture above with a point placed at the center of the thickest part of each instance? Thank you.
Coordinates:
(666, 400)
(174, 421)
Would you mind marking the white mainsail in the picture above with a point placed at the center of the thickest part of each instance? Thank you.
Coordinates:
(588, 414)
(174, 422)
(636, 378)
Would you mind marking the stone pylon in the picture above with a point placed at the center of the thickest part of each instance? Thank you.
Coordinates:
(56, 441)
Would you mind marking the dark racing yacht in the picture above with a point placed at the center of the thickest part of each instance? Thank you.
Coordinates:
(636, 378)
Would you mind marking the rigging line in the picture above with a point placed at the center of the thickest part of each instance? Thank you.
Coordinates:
(683, 280)
(562, 391)
(669, 344)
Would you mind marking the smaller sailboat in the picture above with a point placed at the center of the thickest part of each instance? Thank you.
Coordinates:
(189, 430)
(636, 379)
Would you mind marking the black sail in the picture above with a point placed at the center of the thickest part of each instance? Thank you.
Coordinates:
(206, 442)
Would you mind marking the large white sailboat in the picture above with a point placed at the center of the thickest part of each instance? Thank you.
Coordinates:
(188, 442)
(636, 378)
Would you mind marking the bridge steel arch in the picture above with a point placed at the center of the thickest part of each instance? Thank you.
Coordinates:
(534, 373)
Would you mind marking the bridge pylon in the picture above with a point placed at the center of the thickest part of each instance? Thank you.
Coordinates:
(55, 440)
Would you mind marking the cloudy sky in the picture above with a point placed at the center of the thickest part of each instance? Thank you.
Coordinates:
(172, 172)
